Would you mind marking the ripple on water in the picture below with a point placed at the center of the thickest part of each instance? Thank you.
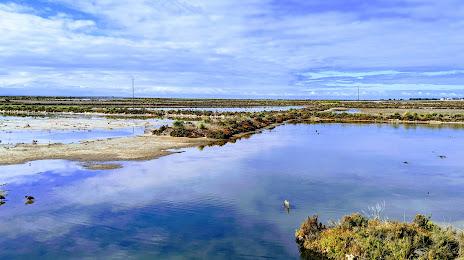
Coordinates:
(227, 202)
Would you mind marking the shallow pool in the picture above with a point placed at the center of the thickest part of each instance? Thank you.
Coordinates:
(226, 202)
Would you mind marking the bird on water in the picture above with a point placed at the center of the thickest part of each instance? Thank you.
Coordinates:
(29, 197)
(287, 206)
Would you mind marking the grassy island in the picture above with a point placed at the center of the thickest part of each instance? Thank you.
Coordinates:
(230, 124)
(357, 237)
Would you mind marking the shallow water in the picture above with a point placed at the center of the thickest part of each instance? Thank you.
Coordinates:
(348, 111)
(13, 137)
(227, 202)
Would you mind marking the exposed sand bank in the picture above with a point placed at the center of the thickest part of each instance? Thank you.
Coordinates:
(142, 147)
(70, 124)
(101, 166)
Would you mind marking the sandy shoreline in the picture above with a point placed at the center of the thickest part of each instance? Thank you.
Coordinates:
(142, 147)
(70, 124)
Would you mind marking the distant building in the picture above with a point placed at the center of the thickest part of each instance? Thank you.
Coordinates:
(451, 99)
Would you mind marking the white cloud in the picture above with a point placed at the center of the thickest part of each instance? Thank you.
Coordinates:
(398, 86)
(20, 173)
(353, 74)
(16, 8)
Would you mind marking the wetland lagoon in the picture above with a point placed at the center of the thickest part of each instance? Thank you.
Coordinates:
(226, 202)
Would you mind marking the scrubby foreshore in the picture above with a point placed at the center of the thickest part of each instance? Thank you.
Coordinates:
(356, 237)
(229, 126)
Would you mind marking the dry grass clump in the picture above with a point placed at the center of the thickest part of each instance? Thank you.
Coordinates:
(356, 237)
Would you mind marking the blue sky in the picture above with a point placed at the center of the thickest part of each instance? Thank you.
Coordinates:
(233, 49)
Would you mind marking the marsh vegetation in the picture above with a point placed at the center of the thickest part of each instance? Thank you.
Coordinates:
(357, 237)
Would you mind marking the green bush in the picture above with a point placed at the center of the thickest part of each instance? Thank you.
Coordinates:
(376, 239)
(217, 134)
(178, 124)
(180, 132)
(354, 220)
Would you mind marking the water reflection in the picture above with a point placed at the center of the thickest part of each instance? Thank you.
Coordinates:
(348, 111)
(226, 202)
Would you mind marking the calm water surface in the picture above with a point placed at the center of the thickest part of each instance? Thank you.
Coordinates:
(14, 137)
(227, 202)
(348, 111)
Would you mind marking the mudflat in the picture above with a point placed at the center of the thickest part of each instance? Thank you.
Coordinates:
(143, 147)
(71, 124)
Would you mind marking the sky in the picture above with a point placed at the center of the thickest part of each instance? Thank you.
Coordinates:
(291, 49)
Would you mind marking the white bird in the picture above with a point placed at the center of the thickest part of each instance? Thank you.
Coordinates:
(286, 204)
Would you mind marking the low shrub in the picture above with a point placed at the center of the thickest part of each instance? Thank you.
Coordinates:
(178, 123)
(219, 134)
(160, 130)
(180, 132)
(360, 238)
